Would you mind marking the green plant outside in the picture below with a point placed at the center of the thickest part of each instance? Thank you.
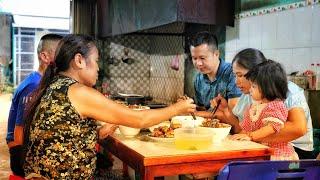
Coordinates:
(6, 88)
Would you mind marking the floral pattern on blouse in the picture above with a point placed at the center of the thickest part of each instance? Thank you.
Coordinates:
(62, 144)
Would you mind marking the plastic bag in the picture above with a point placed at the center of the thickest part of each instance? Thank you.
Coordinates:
(175, 63)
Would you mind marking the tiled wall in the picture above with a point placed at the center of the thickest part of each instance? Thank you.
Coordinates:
(150, 73)
(166, 84)
(123, 77)
(291, 37)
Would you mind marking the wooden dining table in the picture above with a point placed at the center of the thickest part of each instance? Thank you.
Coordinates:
(152, 158)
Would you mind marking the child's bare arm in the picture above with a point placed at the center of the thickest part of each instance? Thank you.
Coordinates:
(261, 133)
(254, 135)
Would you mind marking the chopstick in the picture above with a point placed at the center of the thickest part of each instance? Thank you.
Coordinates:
(192, 114)
(214, 110)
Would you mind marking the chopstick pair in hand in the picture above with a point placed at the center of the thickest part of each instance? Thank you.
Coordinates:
(185, 97)
(214, 110)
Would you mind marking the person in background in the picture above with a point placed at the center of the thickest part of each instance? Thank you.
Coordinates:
(297, 128)
(215, 75)
(60, 134)
(46, 51)
(267, 113)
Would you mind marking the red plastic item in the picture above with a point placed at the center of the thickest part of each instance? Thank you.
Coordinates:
(14, 177)
(98, 148)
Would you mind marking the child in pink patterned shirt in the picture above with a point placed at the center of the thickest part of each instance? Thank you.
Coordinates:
(268, 113)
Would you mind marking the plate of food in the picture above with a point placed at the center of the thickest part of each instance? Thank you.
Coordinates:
(162, 139)
(163, 133)
(138, 107)
(164, 123)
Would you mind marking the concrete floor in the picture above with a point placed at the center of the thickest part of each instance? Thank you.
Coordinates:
(5, 102)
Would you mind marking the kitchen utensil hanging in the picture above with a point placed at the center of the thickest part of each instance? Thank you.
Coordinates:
(126, 59)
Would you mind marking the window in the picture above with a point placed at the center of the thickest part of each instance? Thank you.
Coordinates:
(25, 50)
(24, 53)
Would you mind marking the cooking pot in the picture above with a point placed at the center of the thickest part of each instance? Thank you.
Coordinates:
(135, 100)
(132, 99)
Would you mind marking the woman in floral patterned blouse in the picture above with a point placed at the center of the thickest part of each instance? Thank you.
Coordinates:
(61, 121)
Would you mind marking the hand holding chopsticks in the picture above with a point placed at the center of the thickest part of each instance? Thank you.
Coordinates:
(214, 110)
(184, 98)
(215, 103)
(184, 105)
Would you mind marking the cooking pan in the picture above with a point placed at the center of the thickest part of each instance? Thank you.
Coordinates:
(132, 99)
(135, 100)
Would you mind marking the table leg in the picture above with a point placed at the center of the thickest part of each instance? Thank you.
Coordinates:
(140, 177)
(125, 170)
(146, 175)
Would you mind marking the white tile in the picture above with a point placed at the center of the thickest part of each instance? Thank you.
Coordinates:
(153, 66)
(182, 66)
(229, 56)
(163, 65)
(284, 56)
(157, 87)
(302, 20)
(174, 88)
(255, 32)
(232, 34)
(269, 31)
(243, 40)
(315, 55)
(316, 25)
(270, 54)
(168, 71)
(301, 59)
(284, 29)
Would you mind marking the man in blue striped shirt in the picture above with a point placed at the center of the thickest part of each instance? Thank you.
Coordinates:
(215, 75)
